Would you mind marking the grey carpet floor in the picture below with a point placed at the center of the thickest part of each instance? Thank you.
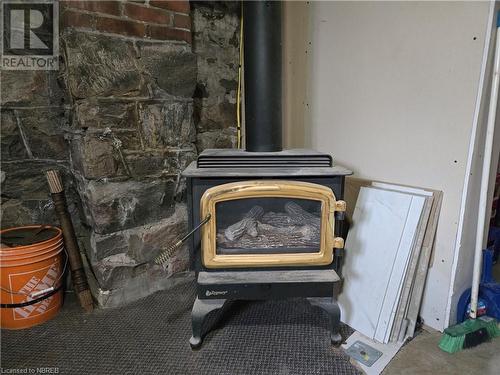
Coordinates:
(151, 337)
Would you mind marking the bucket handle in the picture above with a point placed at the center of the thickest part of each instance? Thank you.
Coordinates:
(44, 293)
(51, 292)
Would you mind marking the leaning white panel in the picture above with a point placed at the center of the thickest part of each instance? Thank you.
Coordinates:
(372, 245)
(400, 268)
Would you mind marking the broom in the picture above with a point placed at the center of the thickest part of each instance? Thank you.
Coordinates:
(75, 261)
(475, 331)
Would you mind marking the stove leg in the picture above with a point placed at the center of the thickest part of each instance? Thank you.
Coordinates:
(201, 308)
(330, 306)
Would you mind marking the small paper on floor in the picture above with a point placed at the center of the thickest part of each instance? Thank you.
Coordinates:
(371, 356)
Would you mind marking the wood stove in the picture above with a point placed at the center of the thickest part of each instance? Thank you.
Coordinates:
(275, 229)
(273, 218)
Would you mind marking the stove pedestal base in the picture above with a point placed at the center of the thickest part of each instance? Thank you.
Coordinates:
(330, 306)
(201, 309)
(318, 286)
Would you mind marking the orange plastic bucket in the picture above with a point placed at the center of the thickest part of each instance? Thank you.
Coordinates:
(27, 254)
(31, 269)
(18, 250)
(44, 235)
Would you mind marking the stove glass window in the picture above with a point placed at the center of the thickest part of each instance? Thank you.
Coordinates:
(268, 225)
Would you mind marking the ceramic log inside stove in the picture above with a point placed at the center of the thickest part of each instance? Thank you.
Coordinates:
(268, 225)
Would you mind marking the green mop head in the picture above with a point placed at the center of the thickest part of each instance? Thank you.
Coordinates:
(468, 334)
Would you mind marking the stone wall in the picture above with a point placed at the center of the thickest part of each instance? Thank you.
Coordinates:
(35, 113)
(216, 30)
(131, 74)
(119, 121)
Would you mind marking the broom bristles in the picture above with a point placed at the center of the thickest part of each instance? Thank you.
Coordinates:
(86, 301)
(468, 334)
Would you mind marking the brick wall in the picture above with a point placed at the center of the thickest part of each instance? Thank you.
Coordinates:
(157, 20)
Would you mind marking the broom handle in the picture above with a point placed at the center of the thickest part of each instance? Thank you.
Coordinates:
(483, 198)
(76, 265)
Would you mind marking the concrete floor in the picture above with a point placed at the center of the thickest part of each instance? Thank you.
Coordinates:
(422, 356)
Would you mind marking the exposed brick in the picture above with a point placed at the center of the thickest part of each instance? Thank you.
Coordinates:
(77, 19)
(182, 21)
(142, 13)
(122, 27)
(109, 7)
(167, 33)
(176, 6)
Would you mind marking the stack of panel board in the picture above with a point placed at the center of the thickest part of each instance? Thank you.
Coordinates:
(388, 249)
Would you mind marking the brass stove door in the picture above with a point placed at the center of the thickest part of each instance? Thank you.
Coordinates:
(269, 223)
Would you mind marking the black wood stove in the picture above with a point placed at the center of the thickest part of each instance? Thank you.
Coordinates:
(273, 218)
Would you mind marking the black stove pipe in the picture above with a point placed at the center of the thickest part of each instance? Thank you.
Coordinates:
(262, 65)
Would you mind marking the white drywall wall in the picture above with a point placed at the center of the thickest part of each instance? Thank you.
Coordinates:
(392, 90)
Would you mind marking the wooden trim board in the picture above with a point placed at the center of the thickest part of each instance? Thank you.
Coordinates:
(423, 265)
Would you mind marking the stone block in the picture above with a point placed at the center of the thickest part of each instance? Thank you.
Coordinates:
(214, 113)
(129, 138)
(11, 141)
(171, 69)
(26, 196)
(92, 157)
(178, 159)
(19, 212)
(16, 212)
(25, 179)
(43, 130)
(122, 257)
(145, 163)
(119, 270)
(116, 270)
(105, 113)
(216, 23)
(31, 88)
(139, 244)
(216, 139)
(100, 65)
(111, 205)
(167, 123)
(159, 162)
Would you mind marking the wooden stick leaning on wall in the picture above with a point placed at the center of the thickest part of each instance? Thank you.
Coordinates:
(73, 251)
